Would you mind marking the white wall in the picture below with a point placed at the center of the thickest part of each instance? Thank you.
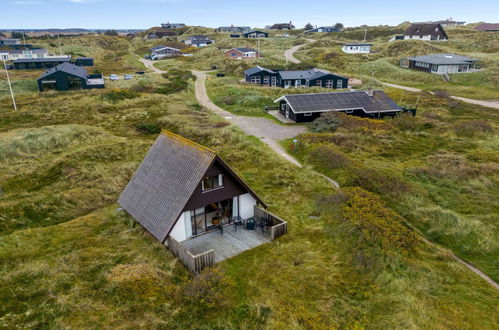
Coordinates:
(246, 206)
(182, 229)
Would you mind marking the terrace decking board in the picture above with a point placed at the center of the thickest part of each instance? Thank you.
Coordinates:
(229, 244)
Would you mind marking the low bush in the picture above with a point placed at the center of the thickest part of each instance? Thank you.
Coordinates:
(472, 128)
(327, 122)
(149, 128)
(326, 156)
(117, 95)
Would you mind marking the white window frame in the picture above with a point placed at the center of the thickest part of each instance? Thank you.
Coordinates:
(318, 83)
(329, 83)
(298, 83)
(339, 83)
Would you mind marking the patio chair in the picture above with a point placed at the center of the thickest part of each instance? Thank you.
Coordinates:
(238, 221)
(262, 224)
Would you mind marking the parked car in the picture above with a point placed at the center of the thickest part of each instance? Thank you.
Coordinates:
(114, 77)
(128, 76)
(147, 57)
(139, 72)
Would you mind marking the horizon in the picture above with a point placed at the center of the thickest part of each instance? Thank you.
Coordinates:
(93, 14)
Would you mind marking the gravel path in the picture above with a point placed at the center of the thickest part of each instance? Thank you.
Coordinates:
(289, 53)
(488, 104)
(263, 128)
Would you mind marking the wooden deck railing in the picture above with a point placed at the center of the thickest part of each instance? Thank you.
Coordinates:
(278, 227)
(195, 263)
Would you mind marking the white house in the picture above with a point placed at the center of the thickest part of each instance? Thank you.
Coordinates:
(356, 48)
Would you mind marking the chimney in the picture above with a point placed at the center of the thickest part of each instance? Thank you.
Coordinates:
(370, 92)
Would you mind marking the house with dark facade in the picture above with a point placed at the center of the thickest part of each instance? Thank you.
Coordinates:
(9, 42)
(439, 63)
(39, 63)
(160, 52)
(254, 34)
(198, 40)
(172, 25)
(307, 107)
(191, 200)
(233, 29)
(10, 54)
(68, 76)
(322, 29)
(295, 78)
(282, 26)
(242, 53)
(423, 31)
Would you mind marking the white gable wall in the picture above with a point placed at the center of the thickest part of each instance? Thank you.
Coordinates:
(246, 206)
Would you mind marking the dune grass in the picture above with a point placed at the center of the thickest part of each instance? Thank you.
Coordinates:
(383, 63)
(70, 259)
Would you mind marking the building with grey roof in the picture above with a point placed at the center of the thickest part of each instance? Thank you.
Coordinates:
(307, 107)
(439, 63)
(295, 78)
(67, 76)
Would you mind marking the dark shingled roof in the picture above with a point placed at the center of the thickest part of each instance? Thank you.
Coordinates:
(43, 60)
(340, 101)
(163, 184)
(424, 29)
(69, 68)
(257, 69)
(305, 74)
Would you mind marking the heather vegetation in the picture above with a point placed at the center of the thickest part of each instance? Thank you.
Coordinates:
(353, 258)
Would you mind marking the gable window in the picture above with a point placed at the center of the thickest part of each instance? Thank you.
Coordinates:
(212, 182)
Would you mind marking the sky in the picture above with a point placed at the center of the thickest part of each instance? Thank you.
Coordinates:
(142, 14)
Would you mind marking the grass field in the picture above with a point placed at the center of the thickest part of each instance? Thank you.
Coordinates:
(70, 259)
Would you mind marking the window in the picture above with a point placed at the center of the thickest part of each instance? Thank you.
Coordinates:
(233, 54)
(307, 114)
(255, 80)
(212, 182)
(266, 80)
(319, 83)
(297, 83)
(339, 83)
(329, 84)
(349, 111)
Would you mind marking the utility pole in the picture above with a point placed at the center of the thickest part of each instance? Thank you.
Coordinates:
(24, 38)
(10, 86)
(59, 40)
(365, 35)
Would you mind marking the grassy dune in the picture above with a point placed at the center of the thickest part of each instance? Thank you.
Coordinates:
(70, 258)
(383, 64)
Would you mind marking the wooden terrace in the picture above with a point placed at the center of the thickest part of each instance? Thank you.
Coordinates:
(208, 249)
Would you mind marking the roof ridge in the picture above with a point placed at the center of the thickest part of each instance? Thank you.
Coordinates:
(188, 142)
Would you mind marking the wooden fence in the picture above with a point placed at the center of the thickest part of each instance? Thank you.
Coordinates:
(278, 227)
(195, 263)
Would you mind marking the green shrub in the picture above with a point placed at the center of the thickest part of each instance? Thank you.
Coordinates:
(150, 128)
(327, 122)
(472, 128)
(326, 156)
(117, 95)
(174, 86)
